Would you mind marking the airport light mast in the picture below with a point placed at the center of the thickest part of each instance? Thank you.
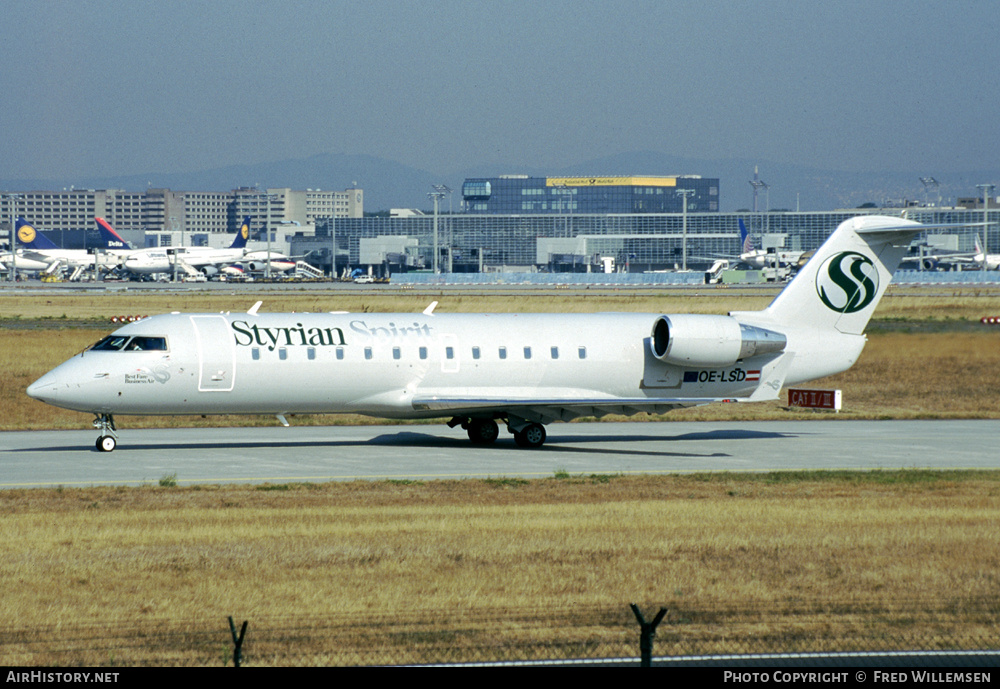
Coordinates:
(987, 188)
(757, 183)
(929, 182)
(13, 234)
(684, 194)
(436, 196)
(173, 228)
(443, 189)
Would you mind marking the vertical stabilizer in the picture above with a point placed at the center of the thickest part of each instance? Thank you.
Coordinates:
(31, 238)
(842, 283)
(112, 240)
(240, 241)
(746, 242)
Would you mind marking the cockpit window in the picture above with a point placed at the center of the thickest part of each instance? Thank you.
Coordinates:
(111, 343)
(138, 343)
(143, 343)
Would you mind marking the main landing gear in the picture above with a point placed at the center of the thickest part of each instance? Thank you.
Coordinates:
(108, 439)
(527, 434)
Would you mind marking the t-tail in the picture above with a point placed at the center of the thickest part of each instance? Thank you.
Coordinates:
(240, 242)
(112, 240)
(30, 238)
(841, 285)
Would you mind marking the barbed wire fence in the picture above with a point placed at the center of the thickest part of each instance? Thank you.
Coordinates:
(516, 634)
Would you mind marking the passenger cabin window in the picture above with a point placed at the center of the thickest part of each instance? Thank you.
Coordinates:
(583, 352)
(423, 352)
(396, 354)
(475, 352)
(340, 353)
(503, 352)
(282, 353)
(555, 352)
(311, 353)
(368, 352)
(527, 352)
(255, 353)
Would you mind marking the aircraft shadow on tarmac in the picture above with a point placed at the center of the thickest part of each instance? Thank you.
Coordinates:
(627, 444)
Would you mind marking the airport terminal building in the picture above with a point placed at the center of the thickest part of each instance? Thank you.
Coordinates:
(160, 214)
(571, 242)
(509, 194)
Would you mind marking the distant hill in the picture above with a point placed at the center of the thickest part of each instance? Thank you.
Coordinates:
(388, 184)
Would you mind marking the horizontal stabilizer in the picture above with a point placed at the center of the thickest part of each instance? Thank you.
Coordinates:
(772, 382)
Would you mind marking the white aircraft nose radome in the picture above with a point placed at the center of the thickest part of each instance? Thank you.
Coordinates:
(45, 388)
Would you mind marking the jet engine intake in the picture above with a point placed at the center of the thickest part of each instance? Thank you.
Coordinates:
(697, 340)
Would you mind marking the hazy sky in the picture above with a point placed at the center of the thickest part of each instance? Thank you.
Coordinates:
(109, 87)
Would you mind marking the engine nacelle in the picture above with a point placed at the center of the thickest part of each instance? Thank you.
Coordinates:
(697, 340)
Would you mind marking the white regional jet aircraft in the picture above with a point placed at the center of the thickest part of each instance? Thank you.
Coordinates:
(523, 369)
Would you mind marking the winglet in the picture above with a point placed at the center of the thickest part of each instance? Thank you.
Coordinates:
(253, 309)
(429, 311)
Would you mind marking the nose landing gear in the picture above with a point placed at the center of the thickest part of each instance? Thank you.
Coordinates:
(108, 439)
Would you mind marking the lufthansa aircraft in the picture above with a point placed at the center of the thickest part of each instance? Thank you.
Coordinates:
(525, 370)
(202, 258)
(41, 253)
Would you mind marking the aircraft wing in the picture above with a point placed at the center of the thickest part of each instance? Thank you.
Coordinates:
(559, 409)
(566, 408)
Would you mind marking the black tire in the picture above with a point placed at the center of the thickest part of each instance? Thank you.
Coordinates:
(106, 443)
(531, 436)
(483, 431)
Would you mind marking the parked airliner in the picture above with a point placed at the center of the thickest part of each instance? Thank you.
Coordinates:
(40, 253)
(203, 258)
(980, 259)
(525, 370)
(759, 258)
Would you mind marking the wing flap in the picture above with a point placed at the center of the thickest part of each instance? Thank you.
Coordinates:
(559, 409)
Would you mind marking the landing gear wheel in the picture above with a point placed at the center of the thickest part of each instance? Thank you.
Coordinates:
(483, 431)
(531, 436)
(107, 441)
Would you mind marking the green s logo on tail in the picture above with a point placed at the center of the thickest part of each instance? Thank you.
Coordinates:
(847, 282)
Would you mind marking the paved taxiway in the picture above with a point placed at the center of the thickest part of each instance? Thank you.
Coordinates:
(329, 453)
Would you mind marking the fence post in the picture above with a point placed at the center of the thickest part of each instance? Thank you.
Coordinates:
(647, 630)
(237, 641)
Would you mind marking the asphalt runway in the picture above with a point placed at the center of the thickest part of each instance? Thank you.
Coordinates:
(427, 452)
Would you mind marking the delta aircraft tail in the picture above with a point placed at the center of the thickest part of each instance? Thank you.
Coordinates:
(112, 240)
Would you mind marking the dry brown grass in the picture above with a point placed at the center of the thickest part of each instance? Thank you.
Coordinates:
(820, 557)
(947, 304)
(848, 542)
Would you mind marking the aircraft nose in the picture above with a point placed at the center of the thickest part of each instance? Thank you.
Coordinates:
(46, 388)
